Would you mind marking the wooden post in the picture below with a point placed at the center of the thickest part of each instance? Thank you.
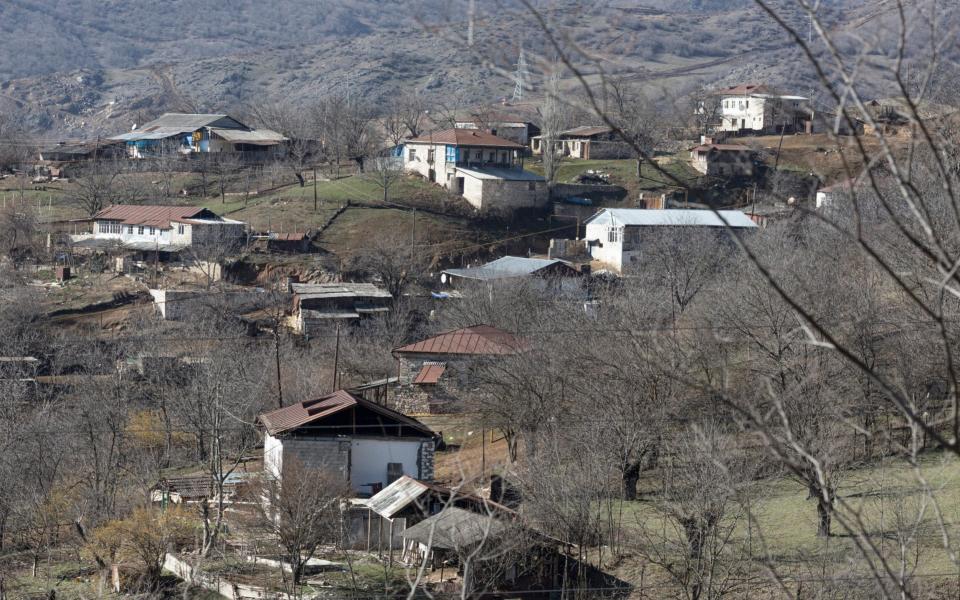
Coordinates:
(369, 526)
(390, 542)
(380, 537)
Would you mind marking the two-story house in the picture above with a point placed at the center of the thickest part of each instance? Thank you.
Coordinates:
(485, 169)
(756, 109)
(164, 228)
(722, 160)
(616, 236)
(367, 445)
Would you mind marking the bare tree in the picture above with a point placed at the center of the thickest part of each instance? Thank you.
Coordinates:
(385, 172)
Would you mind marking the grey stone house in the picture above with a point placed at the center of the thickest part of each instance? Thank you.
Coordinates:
(434, 375)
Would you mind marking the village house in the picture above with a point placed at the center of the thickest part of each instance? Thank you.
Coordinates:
(616, 235)
(585, 142)
(368, 445)
(754, 109)
(546, 273)
(316, 304)
(485, 169)
(722, 160)
(509, 126)
(201, 133)
(433, 374)
(60, 160)
(158, 228)
(829, 196)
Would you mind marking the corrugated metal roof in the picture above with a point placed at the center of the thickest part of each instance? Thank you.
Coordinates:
(500, 173)
(506, 267)
(395, 497)
(586, 131)
(157, 133)
(193, 121)
(670, 217)
(257, 137)
(430, 373)
(721, 148)
(455, 529)
(313, 412)
(465, 137)
(338, 290)
(156, 216)
(475, 340)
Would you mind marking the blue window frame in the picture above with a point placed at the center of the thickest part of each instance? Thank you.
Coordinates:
(453, 154)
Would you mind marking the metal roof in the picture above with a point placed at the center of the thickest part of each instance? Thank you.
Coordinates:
(475, 340)
(670, 217)
(193, 121)
(313, 412)
(395, 497)
(500, 173)
(256, 137)
(338, 290)
(464, 137)
(430, 372)
(455, 529)
(158, 133)
(586, 131)
(721, 148)
(155, 216)
(505, 267)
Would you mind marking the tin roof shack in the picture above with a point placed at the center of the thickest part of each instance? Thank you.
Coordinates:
(187, 133)
(368, 445)
(585, 142)
(316, 304)
(194, 489)
(377, 522)
(546, 274)
(434, 374)
(64, 158)
(485, 169)
(616, 235)
(492, 550)
(722, 160)
(516, 127)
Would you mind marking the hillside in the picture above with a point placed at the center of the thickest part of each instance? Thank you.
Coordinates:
(103, 66)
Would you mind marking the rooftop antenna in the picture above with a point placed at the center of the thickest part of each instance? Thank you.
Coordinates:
(519, 76)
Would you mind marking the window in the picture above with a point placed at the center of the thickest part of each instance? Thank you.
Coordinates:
(532, 186)
(153, 231)
(413, 154)
(747, 104)
(180, 228)
(431, 154)
(451, 154)
(491, 156)
(140, 230)
(478, 155)
(615, 234)
(130, 229)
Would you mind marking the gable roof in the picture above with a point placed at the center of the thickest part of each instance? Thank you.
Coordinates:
(470, 341)
(456, 529)
(670, 217)
(154, 216)
(465, 137)
(720, 148)
(744, 89)
(339, 289)
(313, 412)
(172, 124)
(586, 131)
(507, 266)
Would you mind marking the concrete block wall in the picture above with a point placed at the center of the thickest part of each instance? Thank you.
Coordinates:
(325, 454)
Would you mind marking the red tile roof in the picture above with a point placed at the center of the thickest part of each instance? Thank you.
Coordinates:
(430, 373)
(465, 137)
(475, 340)
(155, 216)
(744, 89)
(313, 412)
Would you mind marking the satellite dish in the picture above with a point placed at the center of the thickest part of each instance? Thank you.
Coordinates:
(443, 278)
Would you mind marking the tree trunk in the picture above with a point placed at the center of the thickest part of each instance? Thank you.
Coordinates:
(300, 179)
(824, 516)
(631, 476)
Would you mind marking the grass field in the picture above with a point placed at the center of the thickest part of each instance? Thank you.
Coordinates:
(882, 497)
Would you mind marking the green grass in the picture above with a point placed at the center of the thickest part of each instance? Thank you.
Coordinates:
(623, 172)
(785, 521)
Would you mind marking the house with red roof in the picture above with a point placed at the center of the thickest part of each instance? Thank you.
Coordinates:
(756, 109)
(163, 228)
(433, 374)
(485, 169)
(370, 446)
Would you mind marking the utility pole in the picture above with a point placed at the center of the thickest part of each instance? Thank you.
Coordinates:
(519, 76)
(314, 189)
(471, 15)
(336, 360)
(276, 354)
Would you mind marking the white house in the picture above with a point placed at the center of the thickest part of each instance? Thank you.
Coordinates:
(164, 228)
(368, 445)
(615, 235)
(755, 109)
(485, 169)
(827, 197)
